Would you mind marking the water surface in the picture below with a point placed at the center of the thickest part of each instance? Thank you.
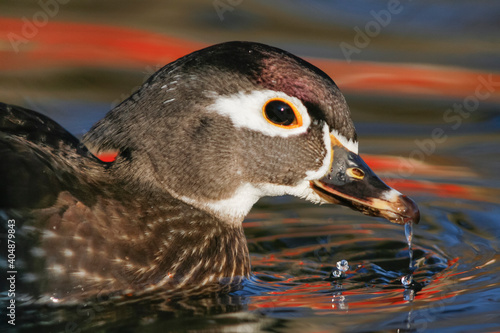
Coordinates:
(295, 245)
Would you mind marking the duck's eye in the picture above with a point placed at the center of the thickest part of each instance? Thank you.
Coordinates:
(282, 113)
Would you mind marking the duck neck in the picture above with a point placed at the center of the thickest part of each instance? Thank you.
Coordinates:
(198, 248)
(176, 245)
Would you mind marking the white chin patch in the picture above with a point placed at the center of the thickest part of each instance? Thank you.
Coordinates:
(234, 209)
(231, 210)
(245, 110)
(348, 144)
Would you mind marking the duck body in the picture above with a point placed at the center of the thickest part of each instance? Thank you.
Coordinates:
(198, 144)
(89, 233)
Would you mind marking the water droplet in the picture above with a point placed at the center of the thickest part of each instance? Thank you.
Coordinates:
(407, 280)
(336, 273)
(343, 306)
(409, 232)
(409, 295)
(343, 265)
(409, 239)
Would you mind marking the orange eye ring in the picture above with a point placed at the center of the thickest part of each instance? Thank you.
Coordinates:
(282, 113)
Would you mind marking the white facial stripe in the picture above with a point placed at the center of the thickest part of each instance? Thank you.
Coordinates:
(348, 144)
(325, 168)
(245, 110)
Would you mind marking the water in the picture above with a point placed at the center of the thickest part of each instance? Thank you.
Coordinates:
(407, 280)
(449, 262)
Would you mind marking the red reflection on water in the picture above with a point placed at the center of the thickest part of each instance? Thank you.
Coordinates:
(411, 79)
(392, 165)
(407, 166)
(444, 190)
(313, 296)
(439, 189)
(67, 43)
(323, 295)
(59, 43)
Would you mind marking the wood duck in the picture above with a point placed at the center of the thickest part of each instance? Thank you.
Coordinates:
(198, 144)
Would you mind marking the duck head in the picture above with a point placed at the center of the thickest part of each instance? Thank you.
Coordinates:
(226, 125)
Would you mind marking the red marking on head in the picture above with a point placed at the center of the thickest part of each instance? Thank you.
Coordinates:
(108, 156)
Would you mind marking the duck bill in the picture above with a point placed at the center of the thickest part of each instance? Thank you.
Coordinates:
(352, 183)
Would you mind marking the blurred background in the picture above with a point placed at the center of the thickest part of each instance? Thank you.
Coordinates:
(422, 79)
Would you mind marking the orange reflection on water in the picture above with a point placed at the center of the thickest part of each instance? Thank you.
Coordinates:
(392, 164)
(59, 43)
(321, 295)
(67, 43)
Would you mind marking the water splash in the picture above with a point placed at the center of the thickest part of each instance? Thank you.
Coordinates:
(342, 267)
(409, 295)
(336, 273)
(407, 280)
(339, 301)
(409, 239)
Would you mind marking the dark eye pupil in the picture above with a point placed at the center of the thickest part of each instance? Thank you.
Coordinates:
(280, 113)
